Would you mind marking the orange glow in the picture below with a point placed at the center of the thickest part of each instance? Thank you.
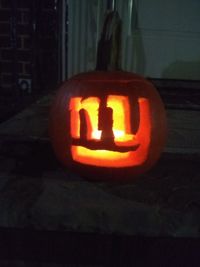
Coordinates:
(121, 131)
(121, 120)
(91, 106)
(102, 158)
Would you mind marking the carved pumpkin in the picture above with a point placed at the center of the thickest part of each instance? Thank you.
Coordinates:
(108, 125)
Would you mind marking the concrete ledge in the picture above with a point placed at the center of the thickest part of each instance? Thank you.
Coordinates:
(38, 193)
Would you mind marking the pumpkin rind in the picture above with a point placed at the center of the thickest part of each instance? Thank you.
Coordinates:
(99, 86)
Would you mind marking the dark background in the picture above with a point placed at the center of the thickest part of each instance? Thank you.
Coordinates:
(28, 52)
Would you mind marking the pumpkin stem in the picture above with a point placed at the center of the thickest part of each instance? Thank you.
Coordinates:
(109, 45)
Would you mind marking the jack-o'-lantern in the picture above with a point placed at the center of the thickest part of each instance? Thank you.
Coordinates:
(108, 125)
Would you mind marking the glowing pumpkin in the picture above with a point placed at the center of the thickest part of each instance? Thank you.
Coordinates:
(108, 125)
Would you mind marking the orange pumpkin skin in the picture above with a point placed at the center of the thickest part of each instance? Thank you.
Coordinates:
(108, 126)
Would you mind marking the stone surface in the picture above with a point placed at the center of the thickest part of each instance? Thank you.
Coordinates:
(37, 192)
(82, 206)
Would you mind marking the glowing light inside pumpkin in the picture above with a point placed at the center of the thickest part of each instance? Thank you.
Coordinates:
(121, 130)
(96, 134)
(91, 106)
(121, 120)
(102, 158)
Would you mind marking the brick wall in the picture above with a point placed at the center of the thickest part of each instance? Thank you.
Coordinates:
(28, 50)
